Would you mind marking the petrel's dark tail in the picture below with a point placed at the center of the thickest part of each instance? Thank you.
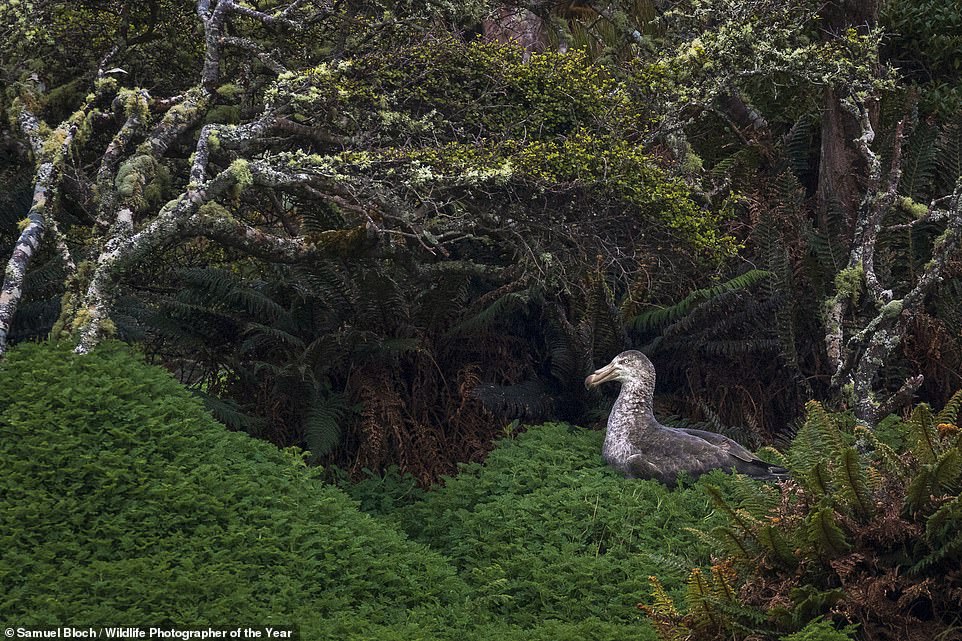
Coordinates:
(763, 471)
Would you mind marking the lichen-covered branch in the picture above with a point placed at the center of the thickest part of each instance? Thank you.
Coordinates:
(24, 250)
(859, 359)
(49, 153)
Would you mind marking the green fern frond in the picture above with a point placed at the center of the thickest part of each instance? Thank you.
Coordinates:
(817, 480)
(950, 412)
(260, 336)
(926, 434)
(665, 617)
(709, 539)
(947, 469)
(824, 533)
(499, 309)
(45, 280)
(662, 602)
(942, 535)
(778, 546)
(660, 317)
(230, 413)
(919, 161)
(852, 483)
(321, 215)
(701, 608)
(919, 492)
(770, 454)
(323, 423)
(742, 519)
(798, 145)
(949, 153)
(889, 459)
(757, 499)
(216, 287)
(826, 427)
(944, 523)
(734, 542)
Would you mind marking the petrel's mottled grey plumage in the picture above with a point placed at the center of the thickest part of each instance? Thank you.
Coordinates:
(640, 447)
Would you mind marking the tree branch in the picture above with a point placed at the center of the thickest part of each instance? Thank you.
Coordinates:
(23, 251)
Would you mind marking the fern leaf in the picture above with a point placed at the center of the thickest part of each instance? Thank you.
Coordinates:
(322, 424)
(889, 459)
(918, 494)
(757, 499)
(663, 603)
(664, 615)
(942, 534)
(660, 317)
(824, 533)
(770, 454)
(950, 413)
(778, 546)
(798, 145)
(919, 161)
(231, 414)
(701, 608)
(740, 518)
(852, 483)
(926, 434)
(947, 469)
(499, 309)
(826, 428)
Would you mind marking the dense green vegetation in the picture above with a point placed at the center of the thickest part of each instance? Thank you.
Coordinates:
(389, 238)
(122, 500)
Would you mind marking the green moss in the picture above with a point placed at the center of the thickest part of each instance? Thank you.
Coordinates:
(892, 309)
(224, 114)
(849, 282)
(230, 91)
(132, 176)
(134, 104)
(916, 210)
(241, 171)
(214, 209)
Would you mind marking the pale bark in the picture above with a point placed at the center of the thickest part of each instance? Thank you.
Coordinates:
(130, 233)
(24, 250)
(858, 359)
(46, 180)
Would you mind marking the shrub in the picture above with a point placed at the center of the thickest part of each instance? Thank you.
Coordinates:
(862, 532)
(122, 501)
(544, 530)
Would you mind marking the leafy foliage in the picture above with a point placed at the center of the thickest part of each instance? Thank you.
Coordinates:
(572, 536)
(869, 538)
(123, 499)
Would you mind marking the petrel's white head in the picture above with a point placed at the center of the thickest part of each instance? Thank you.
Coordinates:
(627, 366)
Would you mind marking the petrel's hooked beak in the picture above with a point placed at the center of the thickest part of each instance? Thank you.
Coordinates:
(607, 373)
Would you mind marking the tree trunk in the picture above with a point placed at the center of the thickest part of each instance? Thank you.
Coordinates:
(840, 164)
(516, 25)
